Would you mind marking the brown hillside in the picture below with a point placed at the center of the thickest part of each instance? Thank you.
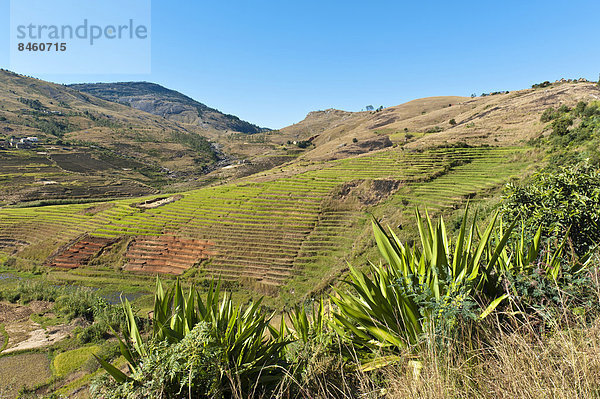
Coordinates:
(501, 119)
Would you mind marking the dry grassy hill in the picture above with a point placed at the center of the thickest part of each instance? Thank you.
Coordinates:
(501, 119)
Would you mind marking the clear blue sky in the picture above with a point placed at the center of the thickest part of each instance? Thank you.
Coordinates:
(271, 62)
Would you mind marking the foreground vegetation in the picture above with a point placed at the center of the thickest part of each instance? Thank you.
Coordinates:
(436, 302)
(492, 301)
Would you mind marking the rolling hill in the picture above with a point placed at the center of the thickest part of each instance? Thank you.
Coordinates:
(88, 147)
(500, 119)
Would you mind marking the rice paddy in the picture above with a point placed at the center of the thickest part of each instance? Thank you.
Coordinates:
(267, 228)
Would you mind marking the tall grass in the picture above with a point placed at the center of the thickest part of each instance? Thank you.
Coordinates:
(515, 362)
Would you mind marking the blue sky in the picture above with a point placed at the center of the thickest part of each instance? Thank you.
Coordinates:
(272, 62)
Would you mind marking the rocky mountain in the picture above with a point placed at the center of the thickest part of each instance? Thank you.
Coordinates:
(170, 104)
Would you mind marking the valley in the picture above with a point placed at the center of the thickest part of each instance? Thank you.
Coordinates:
(110, 196)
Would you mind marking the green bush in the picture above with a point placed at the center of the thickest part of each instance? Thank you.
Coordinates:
(560, 126)
(188, 368)
(435, 129)
(567, 200)
(442, 286)
(421, 289)
(27, 291)
(549, 115)
(80, 303)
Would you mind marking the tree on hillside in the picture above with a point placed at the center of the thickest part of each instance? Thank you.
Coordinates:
(369, 108)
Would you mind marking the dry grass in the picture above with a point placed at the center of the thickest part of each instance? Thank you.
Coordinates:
(517, 363)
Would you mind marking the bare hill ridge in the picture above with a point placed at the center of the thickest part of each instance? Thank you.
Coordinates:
(501, 119)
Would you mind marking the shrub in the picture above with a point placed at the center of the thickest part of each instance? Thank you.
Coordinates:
(188, 368)
(580, 108)
(319, 361)
(541, 85)
(452, 121)
(80, 303)
(441, 285)
(560, 126)
(548, 115)
(27, 291)
(420, 289)
(435, 129)
(567, 200)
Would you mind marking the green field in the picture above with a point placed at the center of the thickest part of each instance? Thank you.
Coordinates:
(26, 370)
(288, 226)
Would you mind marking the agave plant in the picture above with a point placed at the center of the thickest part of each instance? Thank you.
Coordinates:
(392, 305)
(305, 327)
(520, 258)
(246, 354)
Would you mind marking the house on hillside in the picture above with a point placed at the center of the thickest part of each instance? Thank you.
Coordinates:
(24, 145)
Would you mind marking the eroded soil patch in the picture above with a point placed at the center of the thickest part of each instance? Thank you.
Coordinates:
(24, 333)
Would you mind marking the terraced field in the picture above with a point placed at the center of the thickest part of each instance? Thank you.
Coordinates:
(272, 226)
(30, 176)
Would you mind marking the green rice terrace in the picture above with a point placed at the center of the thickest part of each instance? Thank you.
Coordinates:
(290, 229)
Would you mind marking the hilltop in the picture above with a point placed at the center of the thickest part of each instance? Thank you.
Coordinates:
(169, 104)
(505, 118)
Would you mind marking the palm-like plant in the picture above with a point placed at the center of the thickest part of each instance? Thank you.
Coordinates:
(520, 258)
(418, 287)
(246, 354)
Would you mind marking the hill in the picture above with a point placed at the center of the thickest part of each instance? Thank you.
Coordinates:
(499, 119)
(290, 231)
(169, 104)
(88, 147)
